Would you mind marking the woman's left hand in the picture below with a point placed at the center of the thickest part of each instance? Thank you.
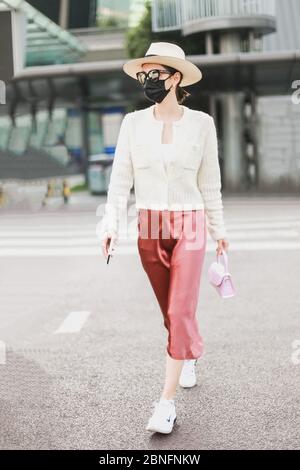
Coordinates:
(222, 244)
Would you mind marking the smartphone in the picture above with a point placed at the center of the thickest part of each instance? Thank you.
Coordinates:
(112, 240)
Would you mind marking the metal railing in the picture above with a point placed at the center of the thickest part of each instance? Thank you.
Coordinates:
(172, 14)
(166, 15)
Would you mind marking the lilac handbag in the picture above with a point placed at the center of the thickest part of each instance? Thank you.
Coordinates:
(220, 278)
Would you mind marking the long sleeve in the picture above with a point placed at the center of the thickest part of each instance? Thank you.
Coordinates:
(120, 184)
(209, 183)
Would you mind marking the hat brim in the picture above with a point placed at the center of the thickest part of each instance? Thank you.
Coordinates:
(191, 73)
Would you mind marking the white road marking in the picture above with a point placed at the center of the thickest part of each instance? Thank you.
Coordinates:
(87, 242)
(49, 242)
(42, 239)
(74, 322)
(45, 233)
(264, 224)
(2, 353)
(236, 223)
(267, 245)
(258, 235)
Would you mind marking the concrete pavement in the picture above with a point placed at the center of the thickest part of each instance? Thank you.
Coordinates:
(82, 350)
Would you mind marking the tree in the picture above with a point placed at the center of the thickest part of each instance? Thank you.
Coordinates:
(138, 39)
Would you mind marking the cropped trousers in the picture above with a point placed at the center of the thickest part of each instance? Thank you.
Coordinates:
(172, 246)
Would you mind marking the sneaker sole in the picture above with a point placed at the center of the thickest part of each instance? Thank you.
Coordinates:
(187, 386)
(155, 429)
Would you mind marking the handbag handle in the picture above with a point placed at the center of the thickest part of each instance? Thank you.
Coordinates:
(224, 259)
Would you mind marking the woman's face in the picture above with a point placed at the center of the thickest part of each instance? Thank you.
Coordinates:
(171, 80)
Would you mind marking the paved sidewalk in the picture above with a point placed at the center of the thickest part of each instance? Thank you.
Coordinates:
(82, 343)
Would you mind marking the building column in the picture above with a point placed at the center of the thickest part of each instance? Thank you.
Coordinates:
(232, 125)
(84, 119)
(209, 44)
(64, 13)
(233, 145)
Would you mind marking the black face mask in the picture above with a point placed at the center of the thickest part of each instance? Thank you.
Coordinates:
(155, 91)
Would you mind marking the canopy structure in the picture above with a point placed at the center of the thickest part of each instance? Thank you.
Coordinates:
(264, 73)
(46, 42)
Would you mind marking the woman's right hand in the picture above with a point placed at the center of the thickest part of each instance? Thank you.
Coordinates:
(109, 240)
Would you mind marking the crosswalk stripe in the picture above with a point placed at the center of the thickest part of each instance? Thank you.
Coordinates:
(74, 322)
(262, 234)
(87, 242)
(238, 224)
(268, 245)
(48, 242)
(45, 233)
(57, 238)
(2, 352)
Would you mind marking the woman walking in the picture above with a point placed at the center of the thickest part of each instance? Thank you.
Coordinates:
(170, 153)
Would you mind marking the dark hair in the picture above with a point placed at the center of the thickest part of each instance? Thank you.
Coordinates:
(181, 93)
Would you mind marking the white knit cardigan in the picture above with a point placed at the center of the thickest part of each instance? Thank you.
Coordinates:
(191, 181)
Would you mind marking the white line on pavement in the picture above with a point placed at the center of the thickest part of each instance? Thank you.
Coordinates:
(2, 352)
(46, 233)
(132, 250)
(74, 322)
(263, 224)
(49, 242)
(236, 223)
(93, 241)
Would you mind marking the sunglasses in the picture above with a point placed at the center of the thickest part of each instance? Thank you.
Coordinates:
(153, 75)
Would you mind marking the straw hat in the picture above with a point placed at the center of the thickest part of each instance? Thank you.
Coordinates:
(165, 53)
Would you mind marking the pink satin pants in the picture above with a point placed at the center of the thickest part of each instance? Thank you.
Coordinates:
(172, 246)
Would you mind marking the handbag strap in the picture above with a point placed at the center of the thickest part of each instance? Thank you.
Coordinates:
(224, 259)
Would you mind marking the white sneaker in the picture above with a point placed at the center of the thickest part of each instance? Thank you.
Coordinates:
(188, 375)
(163, 418)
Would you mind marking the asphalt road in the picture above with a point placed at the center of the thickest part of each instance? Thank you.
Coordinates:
(82, 344)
